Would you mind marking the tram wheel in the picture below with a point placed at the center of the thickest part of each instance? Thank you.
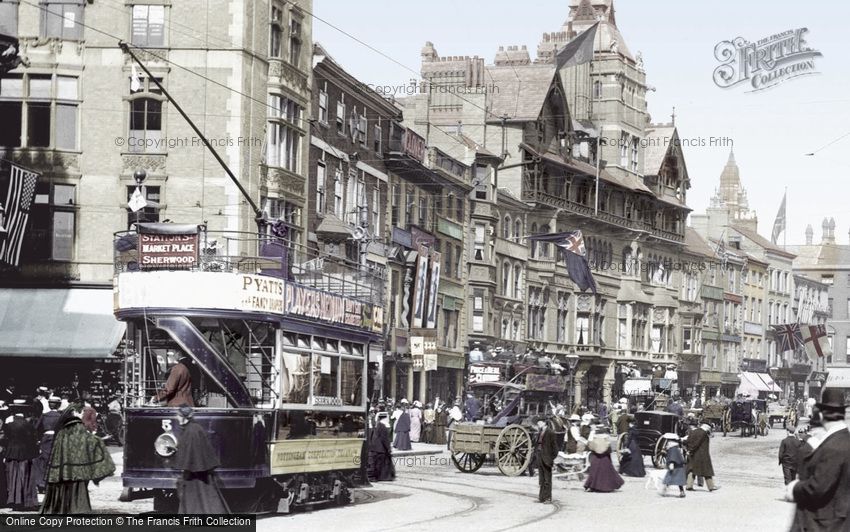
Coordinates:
(468, 462)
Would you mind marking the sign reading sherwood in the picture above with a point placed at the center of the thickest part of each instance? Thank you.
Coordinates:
(245, 292)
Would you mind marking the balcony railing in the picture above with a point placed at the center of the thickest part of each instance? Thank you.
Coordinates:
(240, 252)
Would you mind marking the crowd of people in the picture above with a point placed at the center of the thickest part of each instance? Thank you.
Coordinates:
(51, 449)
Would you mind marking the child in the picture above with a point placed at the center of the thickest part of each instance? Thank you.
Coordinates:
(675, 465)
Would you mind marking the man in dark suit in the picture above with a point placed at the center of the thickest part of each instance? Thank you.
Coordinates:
(547, 451)
(788, 450)
(821, 493)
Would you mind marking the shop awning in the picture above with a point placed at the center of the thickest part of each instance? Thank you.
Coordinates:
(838, 378)
(67, 323)
(757, 382)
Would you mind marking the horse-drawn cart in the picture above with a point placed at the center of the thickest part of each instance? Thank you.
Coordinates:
(511, 446)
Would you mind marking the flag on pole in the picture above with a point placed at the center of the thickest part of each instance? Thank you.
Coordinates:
(578, 51)
(135, 82)
(816, 341)
(572, 242)
(788, 336)
(779, 223)
(19, 198)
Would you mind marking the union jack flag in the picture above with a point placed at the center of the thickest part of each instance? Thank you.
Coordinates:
(576, 256)
(788, 336)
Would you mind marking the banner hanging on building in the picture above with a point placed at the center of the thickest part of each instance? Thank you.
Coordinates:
(433, 286)
(16, 205)
(420, 287)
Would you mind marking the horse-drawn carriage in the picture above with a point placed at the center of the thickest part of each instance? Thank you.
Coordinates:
(739, 415)
(651, 428)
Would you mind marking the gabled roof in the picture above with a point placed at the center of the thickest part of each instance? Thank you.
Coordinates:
(518, 92)
(694, 243)
(762, 241)
(658, 141)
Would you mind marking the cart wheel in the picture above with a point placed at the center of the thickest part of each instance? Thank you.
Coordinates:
(513, 450)
(621, 444)
(659, 457)
(468, 462)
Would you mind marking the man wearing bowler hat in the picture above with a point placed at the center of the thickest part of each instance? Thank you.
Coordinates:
(821, 493)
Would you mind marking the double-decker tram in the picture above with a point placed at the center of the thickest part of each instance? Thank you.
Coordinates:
(276, 343)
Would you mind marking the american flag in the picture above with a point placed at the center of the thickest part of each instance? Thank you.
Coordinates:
(18, 202)
(788, 335)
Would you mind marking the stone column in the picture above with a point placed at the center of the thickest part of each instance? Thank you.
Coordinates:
(608, 383)
(423, 386)
(410, 373)
(393, 380)
(576, 382)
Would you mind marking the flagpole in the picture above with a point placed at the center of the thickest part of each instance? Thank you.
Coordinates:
(785, 232)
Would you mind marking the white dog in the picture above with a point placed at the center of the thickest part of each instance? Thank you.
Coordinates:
(655, 479)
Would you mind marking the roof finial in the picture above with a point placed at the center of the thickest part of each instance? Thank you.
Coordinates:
(732, 155)
(673, 116)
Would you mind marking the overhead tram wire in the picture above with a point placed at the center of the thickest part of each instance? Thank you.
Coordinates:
(187, 69)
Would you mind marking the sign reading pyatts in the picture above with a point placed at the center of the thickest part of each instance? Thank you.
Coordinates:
(242, 292)
(167, 251)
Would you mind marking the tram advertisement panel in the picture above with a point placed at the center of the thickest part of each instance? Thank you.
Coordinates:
(311, 455)
(246, 292)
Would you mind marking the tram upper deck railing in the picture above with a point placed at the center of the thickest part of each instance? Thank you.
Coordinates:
(272, 256)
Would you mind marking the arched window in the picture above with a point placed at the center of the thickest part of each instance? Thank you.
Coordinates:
(506, 278)
(506, 228)
(544, 246)
(627, 260)
(518, 230)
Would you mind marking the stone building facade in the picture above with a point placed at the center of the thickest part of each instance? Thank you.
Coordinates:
(79, 116)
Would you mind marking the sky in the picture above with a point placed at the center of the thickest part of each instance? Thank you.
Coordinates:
(771, 130)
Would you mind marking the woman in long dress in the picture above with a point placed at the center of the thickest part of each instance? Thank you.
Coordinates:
(77, 457)
(428, 418)
(381, 465)
(601, 477)
(415, 421)
(402, 431)
(631, 464)
(441, 419)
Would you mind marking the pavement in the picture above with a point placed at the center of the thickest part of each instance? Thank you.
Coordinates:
(429, 493)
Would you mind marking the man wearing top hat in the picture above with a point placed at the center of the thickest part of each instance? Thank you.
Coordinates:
(822, 492)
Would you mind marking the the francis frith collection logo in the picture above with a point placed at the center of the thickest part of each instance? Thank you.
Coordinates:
(766, 62)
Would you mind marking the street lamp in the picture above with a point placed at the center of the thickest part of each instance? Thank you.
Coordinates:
(572, 363)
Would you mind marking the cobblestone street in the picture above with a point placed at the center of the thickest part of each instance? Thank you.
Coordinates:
(430, 494)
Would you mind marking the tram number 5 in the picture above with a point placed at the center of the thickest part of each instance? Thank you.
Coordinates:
(166, 425)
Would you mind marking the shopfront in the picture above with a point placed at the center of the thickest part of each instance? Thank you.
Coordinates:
(62, 338)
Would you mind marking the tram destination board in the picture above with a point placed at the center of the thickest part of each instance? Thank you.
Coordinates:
(128, 523)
